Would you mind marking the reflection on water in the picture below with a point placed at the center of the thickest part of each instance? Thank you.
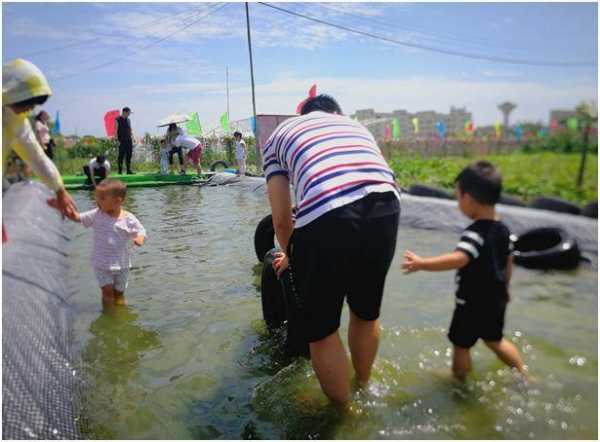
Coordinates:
(190, 358)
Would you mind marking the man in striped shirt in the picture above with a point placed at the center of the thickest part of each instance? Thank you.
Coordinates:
(344, 235)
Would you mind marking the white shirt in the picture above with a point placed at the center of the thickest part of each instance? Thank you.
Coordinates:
(185, 141)
(111, 238)
(95, 165)
(240, 150)
(43, 132)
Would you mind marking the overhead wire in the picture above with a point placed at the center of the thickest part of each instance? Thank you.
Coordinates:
(569, 64)
(153, 43)
(475, 41)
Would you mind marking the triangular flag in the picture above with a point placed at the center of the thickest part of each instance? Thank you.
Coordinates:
(193, 126)
(396, 129)
(441, 127)
(225, 122)
(518, 133)
(498, 129)
(415, 122)
(253, 124)
(388, 133)
(554, 124)
(110, 123)
(572, 123)
(312, 92)
(56, 128)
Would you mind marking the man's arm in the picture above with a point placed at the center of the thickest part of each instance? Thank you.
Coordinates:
(278, 188)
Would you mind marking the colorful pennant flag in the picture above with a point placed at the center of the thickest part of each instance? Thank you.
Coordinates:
(253, 124)
(110, 123)
(415, 122)
(225, 122)
(441, 128)
(572, 123)
(518, 134)
(498, 129)
(541, 133)
(388, 133)
(395, 129)
(312, 92)
(56, 128)
(193, 126)
(553, 124)
(469, 126)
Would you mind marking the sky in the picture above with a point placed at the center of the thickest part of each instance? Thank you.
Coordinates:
(161, 58)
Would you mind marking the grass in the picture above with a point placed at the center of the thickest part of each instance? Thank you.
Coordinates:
(525, 175)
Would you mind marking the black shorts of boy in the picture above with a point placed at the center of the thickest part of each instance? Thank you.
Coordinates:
(173, 151)
(473, 321)
(345, 253)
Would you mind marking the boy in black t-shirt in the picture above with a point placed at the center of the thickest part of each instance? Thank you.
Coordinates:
(483, 262)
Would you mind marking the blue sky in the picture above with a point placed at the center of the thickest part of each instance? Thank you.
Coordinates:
(101, 56)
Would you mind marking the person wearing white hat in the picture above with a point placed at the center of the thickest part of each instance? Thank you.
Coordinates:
(23, 87)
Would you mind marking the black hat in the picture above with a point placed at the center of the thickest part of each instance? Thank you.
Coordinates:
(126, 109)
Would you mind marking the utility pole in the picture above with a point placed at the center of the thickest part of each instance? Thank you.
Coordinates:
(227, 83)
(258, 158)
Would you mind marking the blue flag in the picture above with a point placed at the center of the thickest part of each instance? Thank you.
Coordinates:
(441, 127)
(518, 133)
(253, 124)
(56, 128)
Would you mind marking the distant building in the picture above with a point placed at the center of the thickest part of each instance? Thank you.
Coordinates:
(377, 122)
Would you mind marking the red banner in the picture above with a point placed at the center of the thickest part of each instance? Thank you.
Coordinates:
(109, 122)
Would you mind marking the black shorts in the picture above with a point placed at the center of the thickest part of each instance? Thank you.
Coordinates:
(471, 322)
(341, 255)
(173, 151)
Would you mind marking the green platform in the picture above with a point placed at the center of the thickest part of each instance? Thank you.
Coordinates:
(77, 182)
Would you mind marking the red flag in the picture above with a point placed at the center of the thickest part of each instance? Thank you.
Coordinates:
(388, 133)
(312, 92)
(554, 124)
(109, 122)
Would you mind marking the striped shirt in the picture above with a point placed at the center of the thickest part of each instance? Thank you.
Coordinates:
(331, 160)
(111, 238)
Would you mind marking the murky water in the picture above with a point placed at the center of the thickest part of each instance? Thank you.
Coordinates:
(190, 358)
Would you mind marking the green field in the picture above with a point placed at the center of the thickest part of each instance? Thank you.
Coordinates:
(526, 176)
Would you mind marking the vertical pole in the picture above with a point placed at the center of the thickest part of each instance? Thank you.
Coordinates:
(258, 158)
(227, 83)
(586, 136)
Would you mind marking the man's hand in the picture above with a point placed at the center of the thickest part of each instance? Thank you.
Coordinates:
(280, 263)
(64, 204)
(412, 262)
(139, 240)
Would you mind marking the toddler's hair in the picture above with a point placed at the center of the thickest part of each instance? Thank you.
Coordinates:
(236, 133)
(116, 188)
(482, 181)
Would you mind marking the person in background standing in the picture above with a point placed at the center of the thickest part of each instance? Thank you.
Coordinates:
(125, 138)
(42, 133)
(241, 152)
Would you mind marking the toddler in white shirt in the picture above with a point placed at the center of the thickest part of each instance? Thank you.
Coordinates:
(113, 229)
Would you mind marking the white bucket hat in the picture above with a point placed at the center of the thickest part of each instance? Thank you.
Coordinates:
(22, 80)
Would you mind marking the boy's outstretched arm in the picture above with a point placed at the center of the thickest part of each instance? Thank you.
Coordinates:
(449, 261)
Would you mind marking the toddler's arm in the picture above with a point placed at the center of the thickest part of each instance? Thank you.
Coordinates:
(139, 240)
(449, 261)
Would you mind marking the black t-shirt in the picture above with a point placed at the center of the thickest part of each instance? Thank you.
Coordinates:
(123, 129)
(483, 280)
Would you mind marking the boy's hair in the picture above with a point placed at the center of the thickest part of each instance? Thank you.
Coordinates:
(116, 188)
(482, 181)
(236, 133)
(100, 158)
(323, 103)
